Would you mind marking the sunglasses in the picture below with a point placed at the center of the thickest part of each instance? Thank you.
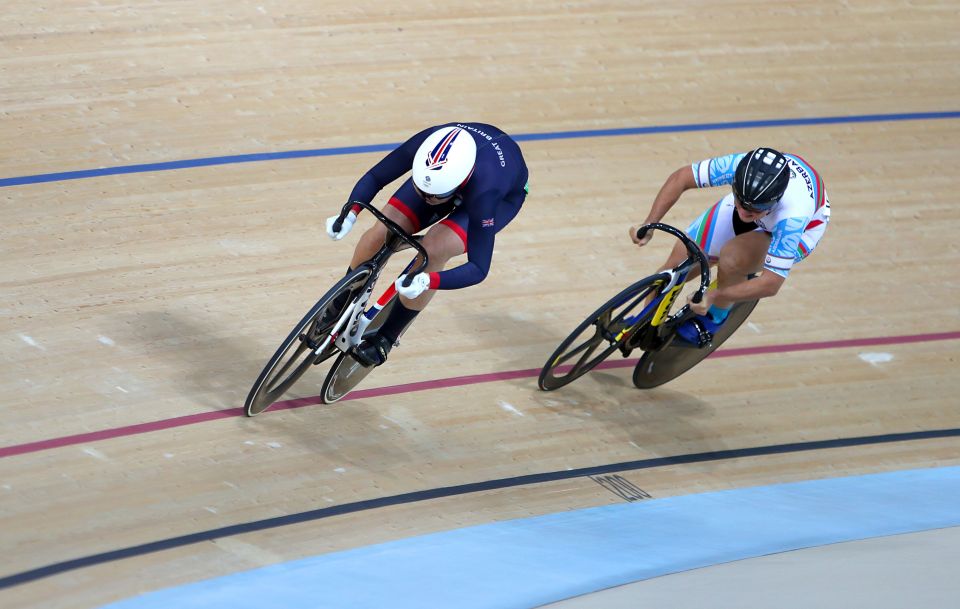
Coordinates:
(749, 206)
(440, 197)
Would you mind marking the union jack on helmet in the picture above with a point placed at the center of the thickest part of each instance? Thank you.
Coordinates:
(444, 161)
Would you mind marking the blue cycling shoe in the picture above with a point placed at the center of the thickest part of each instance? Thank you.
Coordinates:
(699, 330)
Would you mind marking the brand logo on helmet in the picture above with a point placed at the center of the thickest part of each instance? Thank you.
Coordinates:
(438, 156)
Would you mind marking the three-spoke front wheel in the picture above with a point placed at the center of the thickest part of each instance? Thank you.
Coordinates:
(599, 335)
(298, 352)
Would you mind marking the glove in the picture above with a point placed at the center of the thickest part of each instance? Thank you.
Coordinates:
(419, 285)
(344, 228)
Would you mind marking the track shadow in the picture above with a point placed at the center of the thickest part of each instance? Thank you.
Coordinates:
(664, 422)
(212, 368)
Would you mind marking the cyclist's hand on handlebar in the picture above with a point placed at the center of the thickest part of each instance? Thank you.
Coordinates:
(419, 285)
(344, 228)
(646, 238)
(701, 308)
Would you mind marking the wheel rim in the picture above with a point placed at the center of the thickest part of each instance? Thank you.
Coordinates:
(345, 374)
(298, 351)
(604, 330)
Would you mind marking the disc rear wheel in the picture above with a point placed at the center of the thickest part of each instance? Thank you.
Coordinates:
(658, 367)
(346, 372)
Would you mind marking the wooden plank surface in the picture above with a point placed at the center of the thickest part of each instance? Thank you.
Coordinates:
(142, 297)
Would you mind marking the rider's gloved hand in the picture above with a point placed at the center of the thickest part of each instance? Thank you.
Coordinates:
(344, 228)
(419, 285)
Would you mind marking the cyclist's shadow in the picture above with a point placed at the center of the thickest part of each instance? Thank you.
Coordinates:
(211, 369)
(658, 420)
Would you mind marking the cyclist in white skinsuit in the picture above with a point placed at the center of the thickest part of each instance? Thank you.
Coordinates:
(774, 217)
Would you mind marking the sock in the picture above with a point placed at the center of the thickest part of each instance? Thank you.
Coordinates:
(717, 314)
(400, 318)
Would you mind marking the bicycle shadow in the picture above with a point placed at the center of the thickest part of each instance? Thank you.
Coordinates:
(653, 419)
(662, 421)
(214, 371)
(191, 355)
(350, 434)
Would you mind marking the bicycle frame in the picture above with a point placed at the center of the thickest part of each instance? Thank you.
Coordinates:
(638, 317)
(356, 316)
(672, 281)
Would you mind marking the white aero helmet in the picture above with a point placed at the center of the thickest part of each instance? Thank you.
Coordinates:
(444, 161)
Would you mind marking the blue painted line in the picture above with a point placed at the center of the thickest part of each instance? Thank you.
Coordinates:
(534, 561)
(206, 162)
(786, 122)
(451, 491)
(527, 137)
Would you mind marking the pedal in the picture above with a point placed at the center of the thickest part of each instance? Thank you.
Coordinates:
(311, 343)
(704, 336)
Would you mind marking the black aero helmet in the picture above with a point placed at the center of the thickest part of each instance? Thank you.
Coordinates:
(761, 179)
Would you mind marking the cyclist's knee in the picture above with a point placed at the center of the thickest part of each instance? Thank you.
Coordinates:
(374, 236)
(442, 244)
(739, 262)
(677, 255)
(744, 254)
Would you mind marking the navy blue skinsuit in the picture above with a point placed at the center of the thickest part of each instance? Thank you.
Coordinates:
(489, 201)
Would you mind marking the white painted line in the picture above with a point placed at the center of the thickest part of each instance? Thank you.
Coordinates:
(876, 358)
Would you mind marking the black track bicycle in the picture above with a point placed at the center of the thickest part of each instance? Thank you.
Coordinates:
(639, 317)
(336, 324)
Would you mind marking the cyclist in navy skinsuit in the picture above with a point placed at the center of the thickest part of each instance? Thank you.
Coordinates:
(468, 181)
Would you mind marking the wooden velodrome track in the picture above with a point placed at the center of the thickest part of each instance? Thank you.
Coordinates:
(142, 297)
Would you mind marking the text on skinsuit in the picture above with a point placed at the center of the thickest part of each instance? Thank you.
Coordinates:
(496, 146)
(482, 134)
(806, 178)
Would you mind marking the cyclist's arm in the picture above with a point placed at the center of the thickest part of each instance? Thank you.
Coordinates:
(679, 182)
(764, 286)
(779, 259)
(716, 171)
(391, 167)
(480, 235)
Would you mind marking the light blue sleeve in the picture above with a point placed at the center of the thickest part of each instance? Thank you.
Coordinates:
(784, 243)
(717, 171)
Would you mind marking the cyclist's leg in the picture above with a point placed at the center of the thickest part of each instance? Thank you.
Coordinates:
(739, 258)
(398, 209)
(709, 231)
(448, 239)
(736, 247)
(677, 255)
(442, 242)
(418, 214)
(370, 242)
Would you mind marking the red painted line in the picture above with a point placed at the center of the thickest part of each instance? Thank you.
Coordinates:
(456, 381)
(129, 430)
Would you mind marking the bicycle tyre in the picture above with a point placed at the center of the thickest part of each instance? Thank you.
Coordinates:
(295, 356)
(346, 373)
(658, 367)
(605, 320)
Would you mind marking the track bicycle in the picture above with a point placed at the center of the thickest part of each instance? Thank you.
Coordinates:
(336, 324)
(639, 318)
